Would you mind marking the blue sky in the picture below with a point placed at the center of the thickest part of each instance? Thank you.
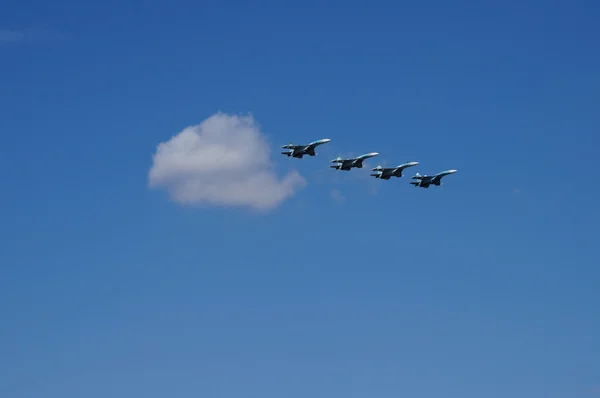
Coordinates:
(350, 287)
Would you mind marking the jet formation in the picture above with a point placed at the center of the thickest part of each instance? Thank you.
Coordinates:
(383, 173)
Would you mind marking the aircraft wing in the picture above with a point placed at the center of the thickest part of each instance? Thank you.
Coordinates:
(319, 142)
(407, 165)
(397, 171)
(367, 155)
(436, 180)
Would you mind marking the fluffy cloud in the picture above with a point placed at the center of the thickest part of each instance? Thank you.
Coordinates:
(225, 160)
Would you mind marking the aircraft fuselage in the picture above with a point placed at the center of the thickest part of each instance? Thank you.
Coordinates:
(298, 151)
(347, 164)
(426, 181)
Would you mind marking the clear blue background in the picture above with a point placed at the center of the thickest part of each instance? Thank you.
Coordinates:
(484, 287)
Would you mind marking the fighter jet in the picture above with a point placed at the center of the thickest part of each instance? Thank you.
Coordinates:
(385, 173)
(347, 164)
(298, 151)
(425, 181)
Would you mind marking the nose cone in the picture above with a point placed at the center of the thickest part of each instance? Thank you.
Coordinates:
(372, 154)
(452, 171)
(325, 140)
(413, 163)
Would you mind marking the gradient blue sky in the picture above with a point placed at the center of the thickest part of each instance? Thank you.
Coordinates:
(484, 287)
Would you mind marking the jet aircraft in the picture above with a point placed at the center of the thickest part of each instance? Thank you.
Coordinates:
(425, 181)
(298, 151)
(385, 173)
(347, 164)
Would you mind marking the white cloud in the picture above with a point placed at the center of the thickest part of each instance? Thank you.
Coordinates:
(225, 160)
